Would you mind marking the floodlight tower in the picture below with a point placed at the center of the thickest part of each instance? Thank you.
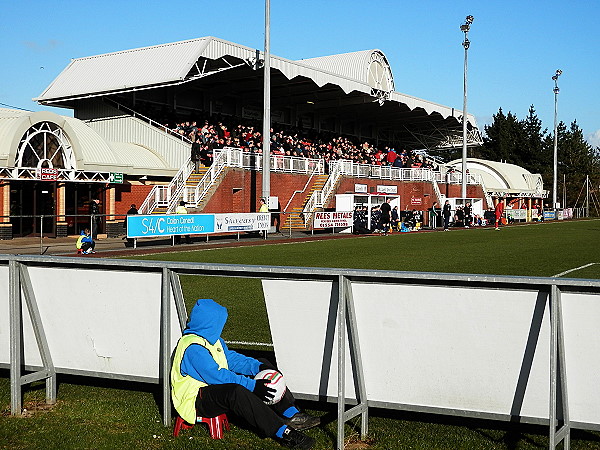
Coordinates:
(266, 147)
(466, 43)
(555, 172)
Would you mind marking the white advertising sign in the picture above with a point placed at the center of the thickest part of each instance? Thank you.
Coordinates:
(360, 188)
(517, 214)
(387, 189)
(333, 219)
(242, 222)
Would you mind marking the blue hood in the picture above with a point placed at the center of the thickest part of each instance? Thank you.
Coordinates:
(207, 319)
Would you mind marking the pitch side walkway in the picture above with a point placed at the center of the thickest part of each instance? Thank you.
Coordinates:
(111, 247)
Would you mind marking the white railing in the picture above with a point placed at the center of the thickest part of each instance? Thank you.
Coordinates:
(151, 200)
(488, 197)
(436, 190)
(386, 172)
(279, 163)
(285, 210)
(176, 187)
(451, 177)
(220, 161)
(236, 157)
(33, 173)
(335, 172)
(319, 198)
(167, 195)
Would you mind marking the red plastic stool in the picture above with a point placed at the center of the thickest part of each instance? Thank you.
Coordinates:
(215, 425)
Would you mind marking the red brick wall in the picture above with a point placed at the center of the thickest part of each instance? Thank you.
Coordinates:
(240, 191)
(126, 194)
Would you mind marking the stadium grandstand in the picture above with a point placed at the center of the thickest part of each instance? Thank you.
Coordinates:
(181, 121)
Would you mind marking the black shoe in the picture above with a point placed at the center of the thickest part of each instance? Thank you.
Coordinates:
(294, 439)
(302, 421)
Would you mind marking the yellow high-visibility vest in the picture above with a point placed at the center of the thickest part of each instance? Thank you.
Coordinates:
(184, 388)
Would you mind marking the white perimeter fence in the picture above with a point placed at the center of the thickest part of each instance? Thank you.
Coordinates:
(495, 347)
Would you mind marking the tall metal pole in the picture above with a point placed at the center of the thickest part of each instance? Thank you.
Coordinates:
(555, 170)
(587, 196)
(266, 147)
(466, 43)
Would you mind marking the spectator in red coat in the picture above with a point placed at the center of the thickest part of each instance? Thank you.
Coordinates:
(499, 211)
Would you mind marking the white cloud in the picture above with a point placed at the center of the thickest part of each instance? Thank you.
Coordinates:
(594, 138)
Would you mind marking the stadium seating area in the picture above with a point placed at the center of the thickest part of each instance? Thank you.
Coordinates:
(215, 132)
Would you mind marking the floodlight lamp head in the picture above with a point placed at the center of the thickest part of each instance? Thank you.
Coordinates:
(557, 74)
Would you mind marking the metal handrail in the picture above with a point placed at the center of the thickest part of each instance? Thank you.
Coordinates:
(312, 174)
(32, 173)
(212, 174)
(177, 184)
(152, 122)
(436, 190)
(167, 195)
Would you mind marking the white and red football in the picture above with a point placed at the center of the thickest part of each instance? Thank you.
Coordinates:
(276, 382)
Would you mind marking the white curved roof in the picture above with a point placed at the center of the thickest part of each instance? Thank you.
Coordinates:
(92, 151)
(174, 63)
(354, 65)
(139, 159)
(502, 177)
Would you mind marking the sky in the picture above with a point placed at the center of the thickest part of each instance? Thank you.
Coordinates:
(516, 46)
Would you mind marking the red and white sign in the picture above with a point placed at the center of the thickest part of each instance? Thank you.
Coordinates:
(47, 174)
(333, 219)
(416, 201)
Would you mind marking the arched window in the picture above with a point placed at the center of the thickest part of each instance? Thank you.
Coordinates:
(45, 145)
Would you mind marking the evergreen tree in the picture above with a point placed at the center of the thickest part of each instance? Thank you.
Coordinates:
(527, 144)
(504, 139)
(576, 160)
(535, 156)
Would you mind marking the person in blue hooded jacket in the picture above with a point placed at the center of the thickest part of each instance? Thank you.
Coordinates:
(209, 379)
(85, 243)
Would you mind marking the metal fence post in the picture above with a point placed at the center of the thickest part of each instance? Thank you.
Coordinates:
(14, 296)
(341, 360)
(165, 348)
(41, 234)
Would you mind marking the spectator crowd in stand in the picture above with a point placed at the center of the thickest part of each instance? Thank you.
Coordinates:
(210, 134)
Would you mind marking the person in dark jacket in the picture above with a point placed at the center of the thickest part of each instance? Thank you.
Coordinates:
(94, 212)
(385, 217)
(132, 211)
(446, 213)
(208, 379)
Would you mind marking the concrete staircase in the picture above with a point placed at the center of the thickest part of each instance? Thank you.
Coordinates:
(195, 178)
(294, 219)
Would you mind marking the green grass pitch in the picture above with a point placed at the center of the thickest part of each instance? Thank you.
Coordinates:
(120, 415)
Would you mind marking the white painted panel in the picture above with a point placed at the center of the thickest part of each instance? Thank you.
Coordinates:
(453, 348)
(581, 316)
(4, 317)
(95, 320)
(302, 321)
